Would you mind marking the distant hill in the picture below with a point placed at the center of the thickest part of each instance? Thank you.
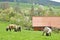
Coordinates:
(42, 2)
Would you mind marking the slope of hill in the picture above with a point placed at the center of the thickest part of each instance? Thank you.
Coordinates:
(43, 2)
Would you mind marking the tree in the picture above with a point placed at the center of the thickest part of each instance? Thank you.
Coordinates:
(50, 12)
(41, 10)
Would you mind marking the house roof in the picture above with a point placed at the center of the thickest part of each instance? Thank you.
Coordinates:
(46, 21)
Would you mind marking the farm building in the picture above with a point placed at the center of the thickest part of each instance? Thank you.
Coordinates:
(39, 23)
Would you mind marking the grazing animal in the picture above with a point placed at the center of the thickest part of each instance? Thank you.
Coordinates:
(47, 31)
(13, 27)
(17, 29)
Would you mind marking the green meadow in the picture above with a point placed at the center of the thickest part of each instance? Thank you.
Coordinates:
(24, 34)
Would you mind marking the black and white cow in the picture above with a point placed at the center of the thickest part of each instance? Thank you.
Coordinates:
(47, 31)
(13, 27)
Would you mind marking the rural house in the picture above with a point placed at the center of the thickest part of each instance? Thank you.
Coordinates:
(39, 23)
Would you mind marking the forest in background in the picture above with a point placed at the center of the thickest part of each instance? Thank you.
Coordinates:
(22, 13)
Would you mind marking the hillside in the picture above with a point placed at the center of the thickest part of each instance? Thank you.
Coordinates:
(43, 2)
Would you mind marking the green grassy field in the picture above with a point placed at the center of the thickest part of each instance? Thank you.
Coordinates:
(24, 34)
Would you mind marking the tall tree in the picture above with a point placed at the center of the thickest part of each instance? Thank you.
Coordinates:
(17, 6)
(41, 10)
(50, 12)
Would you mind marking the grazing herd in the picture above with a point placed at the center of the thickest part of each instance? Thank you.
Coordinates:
(13, 27)
(47, 31)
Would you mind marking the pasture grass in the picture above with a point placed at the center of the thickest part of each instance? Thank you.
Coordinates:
(24, 34)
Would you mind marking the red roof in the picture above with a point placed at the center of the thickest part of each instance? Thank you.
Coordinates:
(46, 21)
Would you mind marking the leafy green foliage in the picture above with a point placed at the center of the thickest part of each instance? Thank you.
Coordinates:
(24, 17)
